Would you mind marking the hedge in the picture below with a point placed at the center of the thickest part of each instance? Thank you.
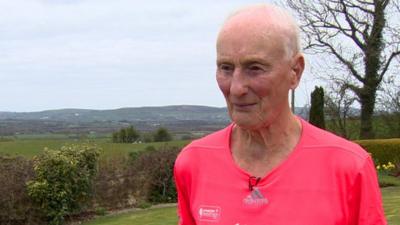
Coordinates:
(383, 151)
(155, 174)
(136, 180)
(16, 208)
(127, 181)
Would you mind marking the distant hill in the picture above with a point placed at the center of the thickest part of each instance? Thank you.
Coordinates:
(165, 113)
(178, 118)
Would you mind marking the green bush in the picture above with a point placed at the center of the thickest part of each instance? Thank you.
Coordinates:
(162, 134)
(316, 116)
(100, 211)
(154, 170)
(383, 151)
(126, 135)
(63, 180)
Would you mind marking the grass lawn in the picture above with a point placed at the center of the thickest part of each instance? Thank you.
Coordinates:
(167, 216)
(160, 216)
(31, 147)
(391, 203)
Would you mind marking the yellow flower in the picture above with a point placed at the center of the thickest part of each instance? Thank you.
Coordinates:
(390, 165)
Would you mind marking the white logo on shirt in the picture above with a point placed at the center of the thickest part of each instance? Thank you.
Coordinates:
(209, 213)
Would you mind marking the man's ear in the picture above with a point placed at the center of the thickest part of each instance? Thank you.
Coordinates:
(297, 68)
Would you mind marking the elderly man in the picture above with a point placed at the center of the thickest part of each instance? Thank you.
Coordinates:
(269, 166)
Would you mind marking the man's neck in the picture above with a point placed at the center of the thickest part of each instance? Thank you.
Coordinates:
(258, 151)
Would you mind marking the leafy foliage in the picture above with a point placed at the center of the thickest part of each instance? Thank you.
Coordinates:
(317, 117)
(63, 180)
(384, 152)
(126, 135)
(162, 134)
(155, 172)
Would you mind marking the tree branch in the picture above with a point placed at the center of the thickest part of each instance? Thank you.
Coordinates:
(352, 26)
(387, 64)
(352, 5)
(347, 63)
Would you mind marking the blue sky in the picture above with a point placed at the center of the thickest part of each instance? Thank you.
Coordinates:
(102, 54)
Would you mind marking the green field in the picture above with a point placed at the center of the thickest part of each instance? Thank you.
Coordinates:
(31, 147)
(167, 216)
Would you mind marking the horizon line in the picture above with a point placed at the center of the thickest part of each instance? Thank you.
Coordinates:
(105, 109)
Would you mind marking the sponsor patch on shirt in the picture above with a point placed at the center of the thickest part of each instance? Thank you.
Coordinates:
(209, 213)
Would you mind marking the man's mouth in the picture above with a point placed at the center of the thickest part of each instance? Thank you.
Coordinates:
(243, 106)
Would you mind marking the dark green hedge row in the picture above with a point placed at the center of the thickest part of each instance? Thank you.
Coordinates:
(383, 150)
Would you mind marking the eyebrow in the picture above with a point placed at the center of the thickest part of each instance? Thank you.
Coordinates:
(222, 59)
(245, 61)
(254, 59)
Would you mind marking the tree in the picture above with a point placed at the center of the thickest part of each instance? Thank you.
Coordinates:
(389, 103)
(115, 137)
(126, 135)
(162, 134)
(147, 137)
(338, 104)
(317, 117)
(360, 37)
(132, 134)
(122, 136)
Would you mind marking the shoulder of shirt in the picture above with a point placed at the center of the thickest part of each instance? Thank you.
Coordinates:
(317, 138)
(214, 142)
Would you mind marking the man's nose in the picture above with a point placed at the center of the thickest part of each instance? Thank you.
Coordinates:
(239, 83)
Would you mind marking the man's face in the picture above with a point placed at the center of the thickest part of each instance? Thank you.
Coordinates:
(254, 74)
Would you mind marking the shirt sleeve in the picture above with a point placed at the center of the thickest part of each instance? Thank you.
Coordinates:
(182, 182)
(367, 201)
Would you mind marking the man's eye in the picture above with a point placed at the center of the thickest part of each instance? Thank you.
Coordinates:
(255, 68)
(225, 67)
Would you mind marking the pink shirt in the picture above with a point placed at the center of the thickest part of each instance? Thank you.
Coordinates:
(325, 181)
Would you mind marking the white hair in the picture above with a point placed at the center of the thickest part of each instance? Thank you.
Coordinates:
(280, 19)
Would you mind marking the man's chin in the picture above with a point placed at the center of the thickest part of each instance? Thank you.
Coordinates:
(247, 122)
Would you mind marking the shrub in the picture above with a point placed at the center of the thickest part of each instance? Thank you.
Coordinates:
(142, 178)
(115, 185)
(63, 180)
(126, 135)
(155, 174)
(147, 137)
(383, 151)
(16, 208)
(101, 211)
(386, 180)
(317, 108)
(162, 134)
